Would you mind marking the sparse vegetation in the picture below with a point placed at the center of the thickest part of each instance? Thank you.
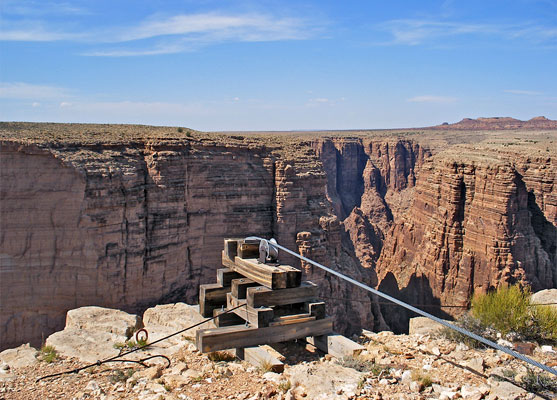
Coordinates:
(217, 356)
(180, 129)
(539, 382)
(48, 354)
(121, 376)
(423, 379)
(284, 386)
(507, 311)
(266, 366)
(362, 365)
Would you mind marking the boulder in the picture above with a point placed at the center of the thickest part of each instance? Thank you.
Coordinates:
(19, 357)
(423, 326)
(92, 332)
(103, 319)
(176, 316)
(85, 345)
(547, 296)
(325, 381)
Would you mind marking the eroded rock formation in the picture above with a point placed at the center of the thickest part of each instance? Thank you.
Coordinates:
(128, 217)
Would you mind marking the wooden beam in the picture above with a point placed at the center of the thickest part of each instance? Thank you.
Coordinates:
(231, 248)
(336, 345)
(208, 340)
(292, 319)
(258, 317)
(293, 275)
(266, 275)
(211, 296)
(239, 287)
(262, 296)
(225, 276)
(259, 356)
(228, 319)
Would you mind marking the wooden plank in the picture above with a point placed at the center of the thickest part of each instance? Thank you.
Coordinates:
(318, 309)
(208, 340)
(266, 275)
(228, 319)
(211, 296)
(259, 356)
(336, 345)
(262, 296)
(225, 276)
(239, 287)
(279, 321)
(258, 317)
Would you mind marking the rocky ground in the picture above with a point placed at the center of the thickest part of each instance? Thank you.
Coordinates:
(423, 365)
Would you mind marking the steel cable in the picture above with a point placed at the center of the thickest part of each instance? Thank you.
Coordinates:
(417, 310)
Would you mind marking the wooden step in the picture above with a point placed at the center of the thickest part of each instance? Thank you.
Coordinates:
(266, 275)
(336, 345)
(211, 296)
(263, 296)
(208, 340)
(257, 317)
(239, 287)
(225, 276)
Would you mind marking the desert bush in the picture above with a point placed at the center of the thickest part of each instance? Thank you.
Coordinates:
(505, 310)
(48, 354)
(539, 382)
(217, 356)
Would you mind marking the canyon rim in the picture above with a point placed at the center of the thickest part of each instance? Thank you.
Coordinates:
(128, 216)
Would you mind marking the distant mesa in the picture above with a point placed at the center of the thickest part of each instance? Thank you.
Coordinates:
(499, 123)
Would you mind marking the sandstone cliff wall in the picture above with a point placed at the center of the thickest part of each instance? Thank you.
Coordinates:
(129, 226)
(476, 222)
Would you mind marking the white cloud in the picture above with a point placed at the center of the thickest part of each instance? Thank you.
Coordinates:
(21, 90)
(414, 32)
(65, 104)
(166, 35)
(36, 104)
(523, 92)
(432, 99)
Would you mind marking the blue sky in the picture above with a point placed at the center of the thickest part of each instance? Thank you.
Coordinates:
(277, 65)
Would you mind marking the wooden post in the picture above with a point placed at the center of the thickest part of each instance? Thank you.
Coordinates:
(336, 345)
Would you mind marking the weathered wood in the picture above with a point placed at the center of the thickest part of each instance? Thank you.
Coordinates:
(336, 345)
(248, 249)
(225, 276)
(239, 287)
(231, 248)
(258, 317)
(228, 319)
(263, 296)
(266, 275)
(293, 275)
(211, 296)
(208, 340)
(292, 319)
(318, 309)
(259, 356)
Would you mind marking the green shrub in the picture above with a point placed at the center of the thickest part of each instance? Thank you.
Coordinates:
(505, 310)
(48, 354)
(180, 129)
(217, 356)
(545, 322)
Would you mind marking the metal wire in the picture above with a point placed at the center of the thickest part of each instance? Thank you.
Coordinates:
(418, 311)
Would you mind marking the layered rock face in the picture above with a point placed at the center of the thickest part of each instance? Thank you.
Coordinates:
(476, 222)
(129, 225)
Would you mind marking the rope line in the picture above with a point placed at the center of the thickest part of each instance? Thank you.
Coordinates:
(417, 310)
(116, 358)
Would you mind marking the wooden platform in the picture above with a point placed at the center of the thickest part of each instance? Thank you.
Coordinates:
(275, 306)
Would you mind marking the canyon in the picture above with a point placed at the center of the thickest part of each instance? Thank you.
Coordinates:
(128, 217)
